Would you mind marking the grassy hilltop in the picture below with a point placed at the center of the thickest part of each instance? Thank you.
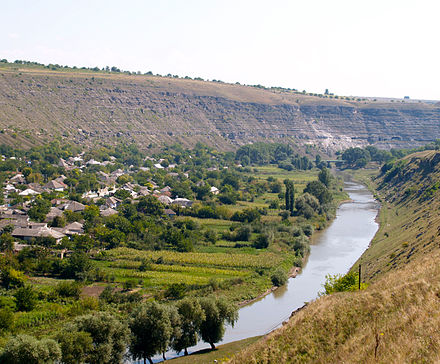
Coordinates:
(394, 320)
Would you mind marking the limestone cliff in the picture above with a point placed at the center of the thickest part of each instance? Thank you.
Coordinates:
(91, 107)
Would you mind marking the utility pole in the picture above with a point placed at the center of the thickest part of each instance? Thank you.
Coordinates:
(359, 287)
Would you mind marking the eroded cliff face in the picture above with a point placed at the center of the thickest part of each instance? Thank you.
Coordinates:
(97, 107)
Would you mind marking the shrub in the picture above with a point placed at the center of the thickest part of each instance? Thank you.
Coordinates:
(176, 291)
(68, 289)
(6, 319)
(129, 284)
(279, 277)
(262, 241)
(26, 349)
(340, 283)
(25, 298)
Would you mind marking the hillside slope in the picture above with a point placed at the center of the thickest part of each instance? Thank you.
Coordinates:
(396, 319)
(409, 218)
(90, 107)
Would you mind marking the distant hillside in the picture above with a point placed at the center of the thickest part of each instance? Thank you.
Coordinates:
(92, 107)
(396, 319)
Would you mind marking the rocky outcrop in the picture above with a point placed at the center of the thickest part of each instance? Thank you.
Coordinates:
(93, 107)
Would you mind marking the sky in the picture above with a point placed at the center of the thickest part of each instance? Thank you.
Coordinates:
(381, 48)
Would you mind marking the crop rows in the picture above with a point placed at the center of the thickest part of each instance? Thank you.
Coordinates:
(261, 260)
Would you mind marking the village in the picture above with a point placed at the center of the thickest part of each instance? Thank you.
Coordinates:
(19, 195)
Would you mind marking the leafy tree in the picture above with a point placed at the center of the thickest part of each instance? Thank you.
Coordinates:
(307, 205)
(25, 298)
(317, 189)
(262, 241)
(279, 277)
(191, 317)
(25, 349)
(151, 331)
(150, 205)
(109, 336)
(11, 278)
(40, 208)
(176, 291)
(75, 345)
(91, 212)
(356, 157)
(217, 312)
(290, 196)
(58, 221)
(78, 266)
(324, 177)
(6, 318)
(6, 242)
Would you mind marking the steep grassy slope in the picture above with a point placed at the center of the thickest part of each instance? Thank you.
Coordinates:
(396, 319)
(90, 107)
(409, 218)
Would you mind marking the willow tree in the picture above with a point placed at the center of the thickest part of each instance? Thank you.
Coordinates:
(217, 313)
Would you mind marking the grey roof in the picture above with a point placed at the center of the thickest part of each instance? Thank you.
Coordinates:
(108, 212)
(73, 206)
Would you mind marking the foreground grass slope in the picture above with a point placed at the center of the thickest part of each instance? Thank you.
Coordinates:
(396, 319)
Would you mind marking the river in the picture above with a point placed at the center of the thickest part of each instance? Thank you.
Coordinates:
(333, 251)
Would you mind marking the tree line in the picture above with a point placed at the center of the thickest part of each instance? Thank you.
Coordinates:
(149, 329)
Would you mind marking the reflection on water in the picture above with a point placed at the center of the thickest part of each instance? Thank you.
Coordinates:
(333, 251)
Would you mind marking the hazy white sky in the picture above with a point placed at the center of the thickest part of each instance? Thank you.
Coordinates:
(352, 47)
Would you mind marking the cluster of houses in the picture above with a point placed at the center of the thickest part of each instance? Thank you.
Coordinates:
(27, 230)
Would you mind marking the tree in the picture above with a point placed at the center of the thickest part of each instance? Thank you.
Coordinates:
(279, 277)
(356, 157)
(290, 196)
(25, 298)
(39, 210)
(324, 177)
(317, 189)
(109, 336)
(307, 205)
(90, 213)
(58, 221)
(78, 265)
(191, 316)
(6, 242)
(25, 349)
(75, 345)
(151, 331)
(11, 278)
(6, 318)
(217, 312)
(150, 205)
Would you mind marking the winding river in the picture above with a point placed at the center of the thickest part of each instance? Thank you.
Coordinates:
(333, 251)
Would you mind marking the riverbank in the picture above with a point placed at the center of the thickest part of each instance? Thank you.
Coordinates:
(333, 250)
(219, 355)
(292, 274)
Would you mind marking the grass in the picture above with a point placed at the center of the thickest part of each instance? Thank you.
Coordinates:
(221, 354)
(408, 224)
(394, 320)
